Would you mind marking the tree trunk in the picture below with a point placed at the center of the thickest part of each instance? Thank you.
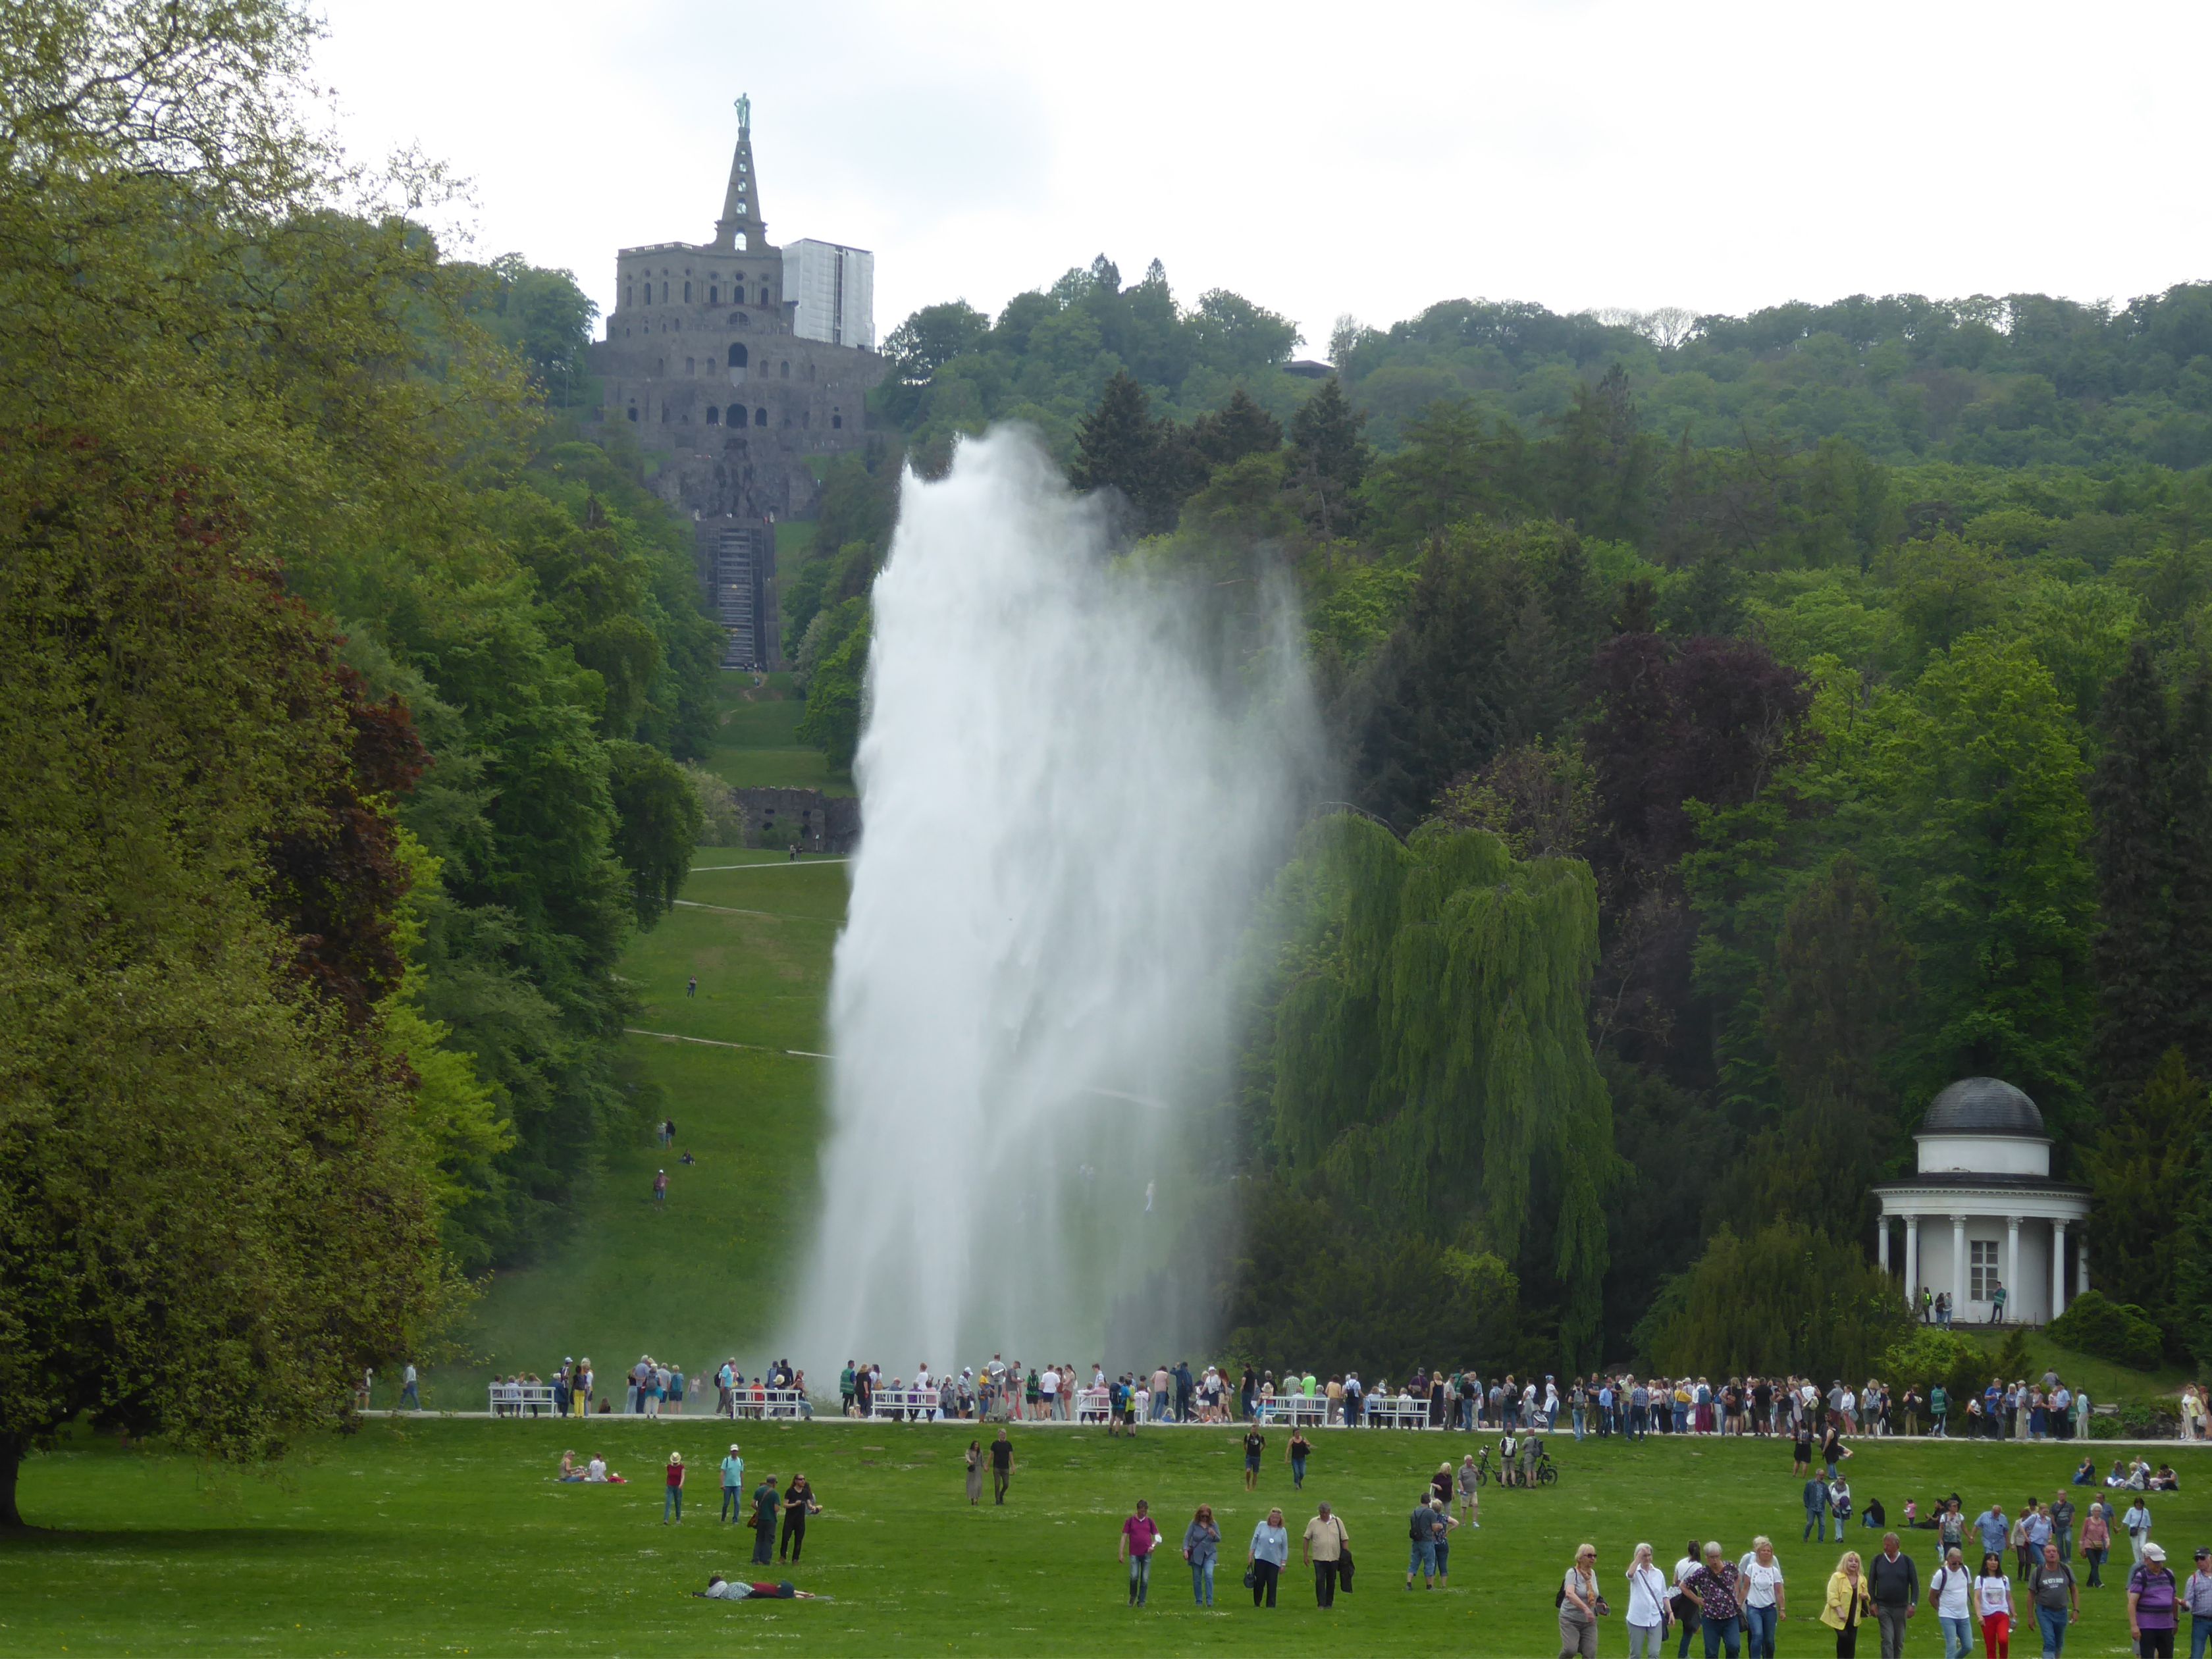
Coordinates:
(11, 1463)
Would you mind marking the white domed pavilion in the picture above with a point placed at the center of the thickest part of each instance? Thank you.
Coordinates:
(1982, 1210)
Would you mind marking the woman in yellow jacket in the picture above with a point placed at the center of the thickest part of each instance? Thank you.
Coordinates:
(1848, 1603)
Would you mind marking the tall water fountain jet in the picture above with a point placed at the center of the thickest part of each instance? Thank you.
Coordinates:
(1069, 804)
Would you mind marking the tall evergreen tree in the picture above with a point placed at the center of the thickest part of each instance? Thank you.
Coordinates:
(1330, 459)
(2144, 1177)
(1119, 446)
(1238, 428)
(2188, 903)
(2131, 798)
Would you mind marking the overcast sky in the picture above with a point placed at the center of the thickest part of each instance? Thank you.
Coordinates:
(1322, 158)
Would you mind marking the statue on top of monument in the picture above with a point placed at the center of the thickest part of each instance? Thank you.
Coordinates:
(745, 112)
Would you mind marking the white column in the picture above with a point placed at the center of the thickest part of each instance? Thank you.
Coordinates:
(2012, 1262)
(1882, 1242)
(1959, 1267)
(2057, 1268)
(2081, 1269)
(1913, 1264)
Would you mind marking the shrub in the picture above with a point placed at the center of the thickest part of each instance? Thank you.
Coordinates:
(1933, 1355)
(2135, 1418)
(2118, 1331)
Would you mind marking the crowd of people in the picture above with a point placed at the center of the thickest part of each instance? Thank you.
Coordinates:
(652, 1388)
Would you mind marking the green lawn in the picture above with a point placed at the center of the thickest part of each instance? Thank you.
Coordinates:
(702, 1276)
(757, 739)
(449, 1538)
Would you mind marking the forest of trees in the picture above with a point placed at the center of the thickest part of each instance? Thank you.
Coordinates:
(344, 696)
(1855, 653)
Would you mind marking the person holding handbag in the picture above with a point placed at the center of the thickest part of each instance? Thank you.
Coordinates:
(1849, 1605)
(1647, 1606)
(1685, 1605)
(1579, 1606)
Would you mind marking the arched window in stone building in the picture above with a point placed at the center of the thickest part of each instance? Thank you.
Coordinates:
(737, 414)
(741, 241)
(787, 371)
(760, 418)
(663, 294)
(714, 414)
(687, 294)
(837, 421)
(629, 293)
(737, 355)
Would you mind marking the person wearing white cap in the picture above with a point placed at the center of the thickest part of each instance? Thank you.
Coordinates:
(733, 1487)
(2153, 1604)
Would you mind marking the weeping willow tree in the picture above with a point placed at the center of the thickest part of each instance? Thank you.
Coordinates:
(1431, 1067)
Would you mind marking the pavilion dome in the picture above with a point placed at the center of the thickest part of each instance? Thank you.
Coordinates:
(1983, 1106)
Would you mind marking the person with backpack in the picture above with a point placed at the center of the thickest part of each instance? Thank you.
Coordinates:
(1421, 1530)
(2057, 1600)
(2154, 1604)
(1950, 1593)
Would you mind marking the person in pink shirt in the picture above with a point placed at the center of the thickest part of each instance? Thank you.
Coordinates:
(1140, 1533)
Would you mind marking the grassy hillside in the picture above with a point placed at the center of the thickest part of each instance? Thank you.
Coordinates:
(700, 1277)
(759, 746)
(452, 1538)
(2104, 1381)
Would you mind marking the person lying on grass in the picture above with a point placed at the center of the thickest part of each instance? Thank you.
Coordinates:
(719, 1589)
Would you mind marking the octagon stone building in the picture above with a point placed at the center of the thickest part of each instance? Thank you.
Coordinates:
(1982, 1210)
(705, 362)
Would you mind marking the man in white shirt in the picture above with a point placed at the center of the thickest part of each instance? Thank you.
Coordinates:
(410, 1401)
(1048, 1391)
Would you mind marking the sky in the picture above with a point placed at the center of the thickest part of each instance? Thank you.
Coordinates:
(1326, 159)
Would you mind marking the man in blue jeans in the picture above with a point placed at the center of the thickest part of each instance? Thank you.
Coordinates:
(1816, 1509)
(2197, 1596)
(2057, 1602)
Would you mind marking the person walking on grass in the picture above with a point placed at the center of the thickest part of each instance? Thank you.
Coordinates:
(1849, 1605)
(733, 1487)
(1894, 1585)
(1422, 1529)
(975, 1462)
(1766, 1602)
(1718, 1588)
(1470, 1494)
(2097, 1540)
(1140, 1535)
(1951, 1593)
(1322, 1549)
(1993, 1605)
(1579, 1606)
(1298, 1450)
(1816, 1509)
(660, 1188)
(1255, 1443)
(798, 1504)
(1647, 1606)
(2136, 1524)
(1002, 1467)
(1201, 1546)
(672, 1504)
(1266, 1556)
(765, 1501)
(2058, 1600)
(2196, 1597)
(2153, 1604)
